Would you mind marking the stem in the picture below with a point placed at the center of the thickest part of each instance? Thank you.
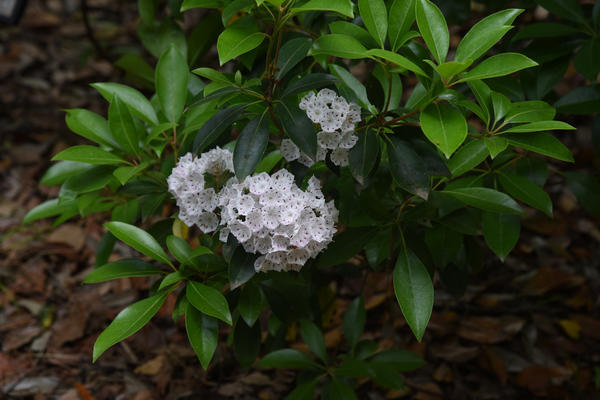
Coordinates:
(389, 96)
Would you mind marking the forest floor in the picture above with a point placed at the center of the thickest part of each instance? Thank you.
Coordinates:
(526, 328)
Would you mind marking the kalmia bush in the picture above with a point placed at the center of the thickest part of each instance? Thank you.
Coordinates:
(287, 163)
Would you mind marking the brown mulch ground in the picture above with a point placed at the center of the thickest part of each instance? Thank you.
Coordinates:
(529, 328)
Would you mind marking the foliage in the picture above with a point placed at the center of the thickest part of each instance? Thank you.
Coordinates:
(449, 147)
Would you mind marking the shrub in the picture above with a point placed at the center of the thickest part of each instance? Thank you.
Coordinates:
(245, 174)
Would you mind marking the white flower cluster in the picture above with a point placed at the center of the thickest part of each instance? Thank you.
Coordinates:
(337, 118)
(196, 203)
(268, 214)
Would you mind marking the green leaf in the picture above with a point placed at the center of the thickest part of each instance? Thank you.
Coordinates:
(124, 174)
(569, 9)
(213, 75)
(486, 199)
(246, 342)
(471, 155)
(58, 173)
(354, 321)
(208, 300)
(91, 126)
(241, 267)
(123, 126)
(171, 279)
(181, 250)
(407, 167)
(542, 143)
(374, 16)
(339, 390)
(355, 86)
(203, 334)
(297, 126)
(88, 155)
(530, 111)
(313, 337)
(251, 145)
(268, 162)
(86, 181)
(171, 79)
(190, 4)
(139, 105)
(377, 249)
(124, 268)
(587, 190)
(126, 212)
(399, 360)
(290, 54)
(545, 30)
(414, 291)
(444, 244)
(130, 320)
(581, 100)
(484, 34)
(304, 391)
(363, 156)
(540, 126)
(397, 59)
(251, 303)
(239, 38)
(483, 94)
(139, 239)
(433, 28)
(526, 191)
(288, 358)
(343, 7)
(215, 126)
(344, 246)
(501, 105)
(587, 59)
(337, 45)
(498, 65)
(309, 82)
(136, 69)
(450, 68)
(495, 145)
(444, 126)
(49, 208)
(501, 232)
(357, 32)
(402, 16)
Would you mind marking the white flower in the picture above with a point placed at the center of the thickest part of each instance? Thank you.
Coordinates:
(339, 157)
(289, 150)
(207, 222)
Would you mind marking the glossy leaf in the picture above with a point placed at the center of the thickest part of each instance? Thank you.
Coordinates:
(58, 173)
(309, 82)
(587, 190)
(443, 243)
(246, 342)
(485, 34)
(313, 337)
(530, 111)
(250, 303)
(139, 105)
(215, 126)
(542, 143)
(203, 334)
(343, 7)
(124, 268)
(288, 358)
(171, 82)
(581, 100)
(374, 16)
(130, 320)
(91, 126)
(304, 391)
(339, 390)
(397, 59)
(444, 126)
(357, 88)
(486, 199)
(407, 168)
(402, 16)
(414, 291)
(251, 145)
(357, 32)
(239, 38)
(354, 321)
(526, 191)
(569, 9)
(363, 156)
(123, 126)
(498, 65)
(495, 145)
(468, 157)
(88, 155)
(501, 232)
(139, 239)
(344, 246)
(297, 126)
(49, 208)
(291, 53)
(540, 126)
(241, 267)
(433, 28)
(337, 45)
(181, 250)
(208, 300)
